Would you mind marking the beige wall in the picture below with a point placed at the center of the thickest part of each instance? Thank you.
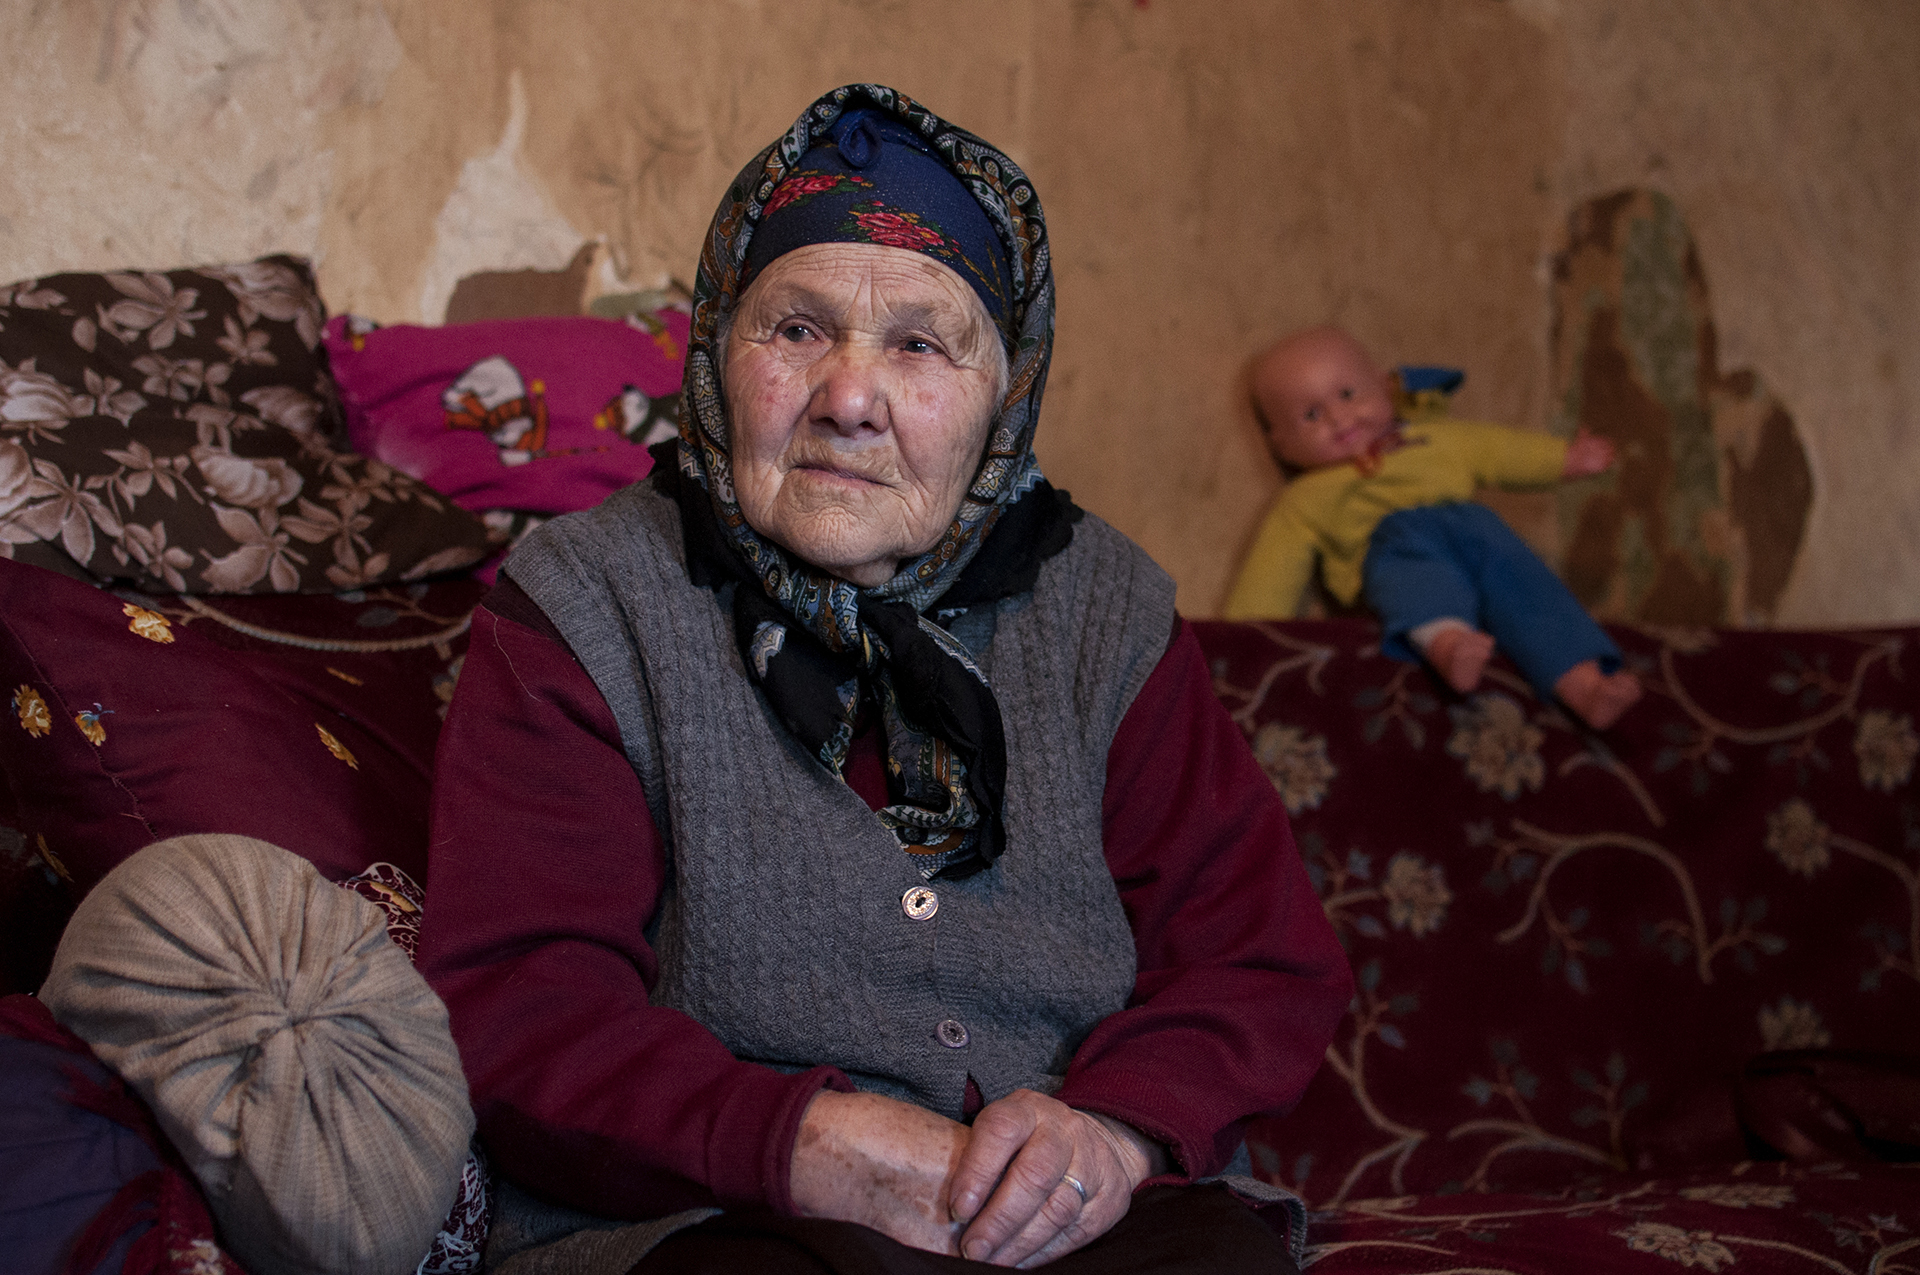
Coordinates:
(1216, 171)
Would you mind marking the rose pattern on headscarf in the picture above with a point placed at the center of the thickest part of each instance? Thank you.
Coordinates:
(801, 187)
(877, 223)
(897, 229)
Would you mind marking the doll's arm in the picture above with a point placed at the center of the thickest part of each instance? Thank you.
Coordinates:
(1502, 456)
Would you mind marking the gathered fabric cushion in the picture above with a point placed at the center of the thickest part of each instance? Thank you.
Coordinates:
(291, 1053)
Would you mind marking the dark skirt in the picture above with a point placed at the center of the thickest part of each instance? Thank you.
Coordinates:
(1170, 1230)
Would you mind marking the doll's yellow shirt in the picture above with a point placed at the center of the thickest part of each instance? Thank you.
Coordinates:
(1331, 513)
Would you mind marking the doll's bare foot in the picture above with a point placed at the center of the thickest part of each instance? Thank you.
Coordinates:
(1599, 699)
(1460, 654)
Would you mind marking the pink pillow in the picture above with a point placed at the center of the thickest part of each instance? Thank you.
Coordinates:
(545, 415)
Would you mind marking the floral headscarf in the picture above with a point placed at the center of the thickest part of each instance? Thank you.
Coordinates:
(820, 646)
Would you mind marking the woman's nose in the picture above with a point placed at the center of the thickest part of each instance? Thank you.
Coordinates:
(850, 389)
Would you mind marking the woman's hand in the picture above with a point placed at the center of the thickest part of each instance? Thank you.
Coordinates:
(1035, 1149)
(882, 1163)
(1587, 455)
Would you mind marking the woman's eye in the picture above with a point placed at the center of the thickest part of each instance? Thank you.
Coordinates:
(1346, 392)
(795, 331)
(916, 345)
(1310, 415)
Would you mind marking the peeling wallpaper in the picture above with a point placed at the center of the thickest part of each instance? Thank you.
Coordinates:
(497, 217)
(1215, 171)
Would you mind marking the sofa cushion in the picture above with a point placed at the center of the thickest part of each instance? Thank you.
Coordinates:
(308, 721)
(246, 333)
(1570, 946)
(546, 415)
(180, 431)
(291, 1053)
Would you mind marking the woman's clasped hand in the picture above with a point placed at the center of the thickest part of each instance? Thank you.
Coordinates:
(1032, 1179)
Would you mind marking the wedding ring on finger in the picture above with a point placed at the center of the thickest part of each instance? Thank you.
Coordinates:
(1078, 1189)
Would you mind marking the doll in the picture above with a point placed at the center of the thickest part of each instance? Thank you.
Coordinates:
(1386, 507)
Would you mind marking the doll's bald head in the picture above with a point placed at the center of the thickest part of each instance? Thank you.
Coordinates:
(1322, 398)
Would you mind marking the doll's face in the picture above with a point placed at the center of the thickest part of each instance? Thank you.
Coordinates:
(1324, 400)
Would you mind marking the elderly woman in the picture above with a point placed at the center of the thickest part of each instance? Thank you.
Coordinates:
(838, 829)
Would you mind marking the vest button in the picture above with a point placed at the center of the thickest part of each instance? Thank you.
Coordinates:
(919, 902)
(952, 1033)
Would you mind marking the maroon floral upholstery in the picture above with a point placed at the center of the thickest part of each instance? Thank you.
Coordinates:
(1576, 953)
(1587, 965)
(1753, 1217)
(308, 722)
(462, 1239)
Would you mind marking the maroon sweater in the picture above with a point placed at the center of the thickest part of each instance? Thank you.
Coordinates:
(547, 869)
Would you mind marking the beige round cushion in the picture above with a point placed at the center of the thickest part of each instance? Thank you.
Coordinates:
(291, 1052)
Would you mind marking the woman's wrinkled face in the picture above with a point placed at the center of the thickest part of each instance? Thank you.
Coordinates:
(860, 381)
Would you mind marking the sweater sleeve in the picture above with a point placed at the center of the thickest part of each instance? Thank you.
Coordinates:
(1508, 457)
(1241, 981)
(545, 871)
(1277, 570)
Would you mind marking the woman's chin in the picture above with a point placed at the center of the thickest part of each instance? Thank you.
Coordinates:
(858, 531)
(846, 547)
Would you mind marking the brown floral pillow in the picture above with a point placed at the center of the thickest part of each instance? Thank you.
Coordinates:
(180, 431)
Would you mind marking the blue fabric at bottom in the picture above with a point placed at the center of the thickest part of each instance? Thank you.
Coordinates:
(60, 1164)
(1461, 560)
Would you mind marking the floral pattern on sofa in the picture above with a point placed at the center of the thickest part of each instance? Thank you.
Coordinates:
(1751, 1218)
(1575, 953)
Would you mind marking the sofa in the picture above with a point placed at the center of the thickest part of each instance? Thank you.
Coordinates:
(1624, 1000)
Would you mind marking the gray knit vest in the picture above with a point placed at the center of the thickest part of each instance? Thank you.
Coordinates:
(786, 927)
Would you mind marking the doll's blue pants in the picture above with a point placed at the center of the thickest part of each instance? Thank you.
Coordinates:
(1461, 560)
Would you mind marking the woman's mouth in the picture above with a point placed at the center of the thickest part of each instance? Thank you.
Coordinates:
(842, 473)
